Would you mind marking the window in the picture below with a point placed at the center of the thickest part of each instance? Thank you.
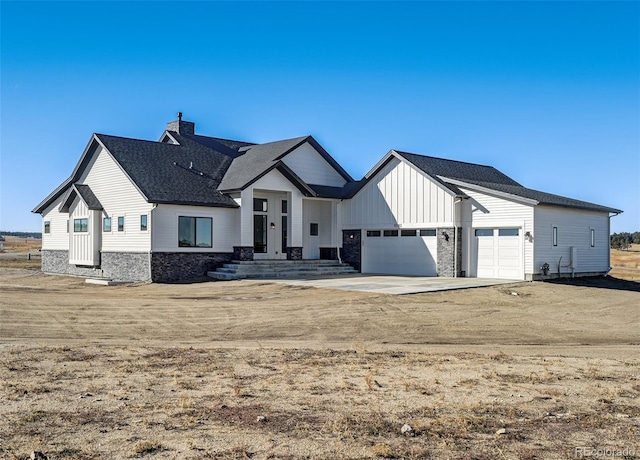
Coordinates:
(285, 206)
(555, 236)
(428, 232)
(143, 223)
(407, 233)
(390, 233)
(484, 232)
(194, 232)
(508, 232)
(67, 225)
(47, 226)
(313, 229)
(121, 224)
(81, 225)
(260, 204)
(593, 238)
(373, 233)
(106, 224)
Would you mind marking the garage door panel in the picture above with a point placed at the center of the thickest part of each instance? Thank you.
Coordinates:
(498, 253)
(399, 255)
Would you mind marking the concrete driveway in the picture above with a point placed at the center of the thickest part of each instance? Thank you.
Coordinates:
(387, 284)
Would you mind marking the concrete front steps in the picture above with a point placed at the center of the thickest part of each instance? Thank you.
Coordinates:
(280, 269)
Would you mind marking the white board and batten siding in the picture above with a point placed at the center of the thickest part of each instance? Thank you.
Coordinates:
(312, 168)
(84, 246)
(399, 196)
(119, 198)
(164, 219)
(503, 256)
(574, 230)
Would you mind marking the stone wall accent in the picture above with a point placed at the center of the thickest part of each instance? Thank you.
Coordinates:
(351, 252)
(329, 253)
(446, 261)
(126, 266)
(116, 266)
(294, 253)
(57, 261)
(167, 267)
(243, 253)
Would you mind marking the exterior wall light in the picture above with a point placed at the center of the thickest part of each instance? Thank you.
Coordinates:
(445, 235)
(273, 226)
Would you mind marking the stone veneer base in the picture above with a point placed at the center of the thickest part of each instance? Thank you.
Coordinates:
(117, 266)
(167, 267)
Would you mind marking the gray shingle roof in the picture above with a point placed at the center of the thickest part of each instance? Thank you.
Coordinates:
(543, 198)
(188, 173)
(490, 178)
(85, 193)
(256, 161)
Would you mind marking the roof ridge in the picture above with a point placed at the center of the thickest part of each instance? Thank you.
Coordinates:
(402, 152)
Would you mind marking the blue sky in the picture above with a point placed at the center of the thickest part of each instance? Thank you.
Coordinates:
(547, 92)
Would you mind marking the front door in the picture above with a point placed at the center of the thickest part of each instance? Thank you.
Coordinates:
(270, 226)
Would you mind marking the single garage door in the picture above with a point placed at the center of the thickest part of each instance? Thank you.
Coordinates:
(400, 252)
(498, 253)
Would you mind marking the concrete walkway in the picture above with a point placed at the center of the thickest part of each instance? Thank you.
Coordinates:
(386, 284)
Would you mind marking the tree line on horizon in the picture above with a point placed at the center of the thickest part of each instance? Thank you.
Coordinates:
(37, 235)
(623, 240)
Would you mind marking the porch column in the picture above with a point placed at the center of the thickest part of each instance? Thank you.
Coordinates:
(294, 251)
(245, 250)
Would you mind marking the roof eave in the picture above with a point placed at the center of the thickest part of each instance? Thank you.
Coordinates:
(489, 191)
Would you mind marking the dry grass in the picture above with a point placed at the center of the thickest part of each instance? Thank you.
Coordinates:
(20, 253)
(626, 264)
(546, 406)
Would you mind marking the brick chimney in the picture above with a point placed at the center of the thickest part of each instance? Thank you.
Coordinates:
(182, 127)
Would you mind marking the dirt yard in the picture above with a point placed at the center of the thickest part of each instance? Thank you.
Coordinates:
(262, 370)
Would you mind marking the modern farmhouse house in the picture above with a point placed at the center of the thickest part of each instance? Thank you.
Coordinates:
(177, 208)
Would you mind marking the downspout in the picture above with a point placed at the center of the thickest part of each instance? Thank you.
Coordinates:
(338, 231)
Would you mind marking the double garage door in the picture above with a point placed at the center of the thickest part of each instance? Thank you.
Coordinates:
(400, 252)
(498, 253)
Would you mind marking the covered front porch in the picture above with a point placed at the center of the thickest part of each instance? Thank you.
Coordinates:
(286, 225)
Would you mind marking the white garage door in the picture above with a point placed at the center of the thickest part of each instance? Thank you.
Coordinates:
(400, 252)
(498, 253)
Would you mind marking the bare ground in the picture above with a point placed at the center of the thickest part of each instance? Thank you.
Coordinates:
(263, 370)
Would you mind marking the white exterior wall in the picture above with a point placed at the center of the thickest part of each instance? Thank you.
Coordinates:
(164, 221)
(486, 211)
(574, 230)
(319, 212)
(309, 165)
(119, 197)
(58, 239)
(399, 196)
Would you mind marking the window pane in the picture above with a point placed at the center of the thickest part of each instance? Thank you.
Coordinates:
(121, 224)
(203, 232)
(484, 232)
(371, 233)
(186, 232)
(313, 229)
(106, 224)
(80, 225)
(284, 234)
(260, 204)
(390, 233)
(143, 222)
(407, 233)
(259, 234)
(593, 238)
(47, 227)
(555, 236)
(285, 206)
(428, 232)
(508, 232)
